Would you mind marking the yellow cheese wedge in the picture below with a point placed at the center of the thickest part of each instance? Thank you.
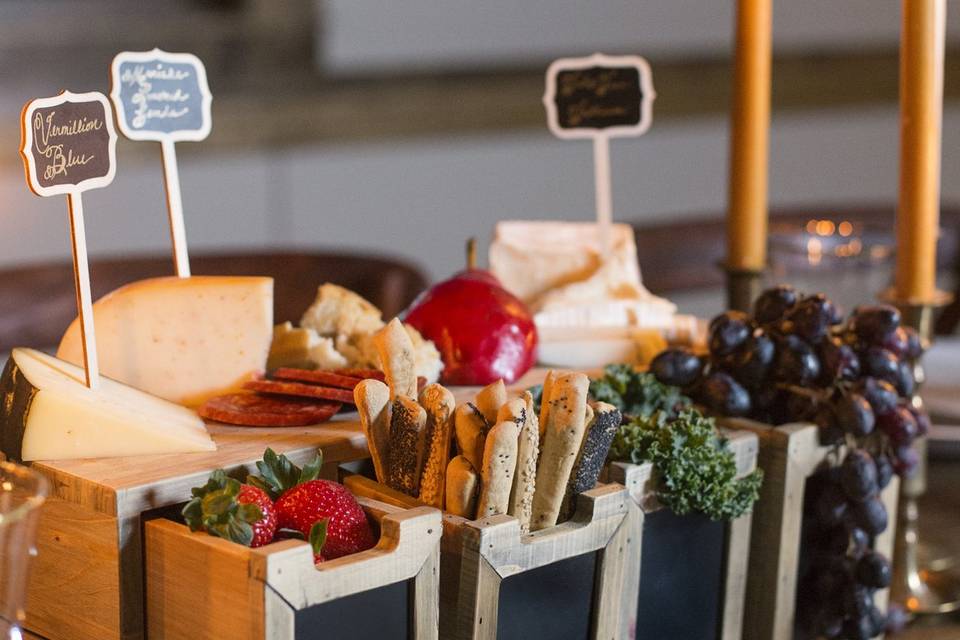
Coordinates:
(48, 413)
(182, 339)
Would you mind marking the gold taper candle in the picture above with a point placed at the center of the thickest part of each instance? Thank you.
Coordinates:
(747, 206)
(921, 111)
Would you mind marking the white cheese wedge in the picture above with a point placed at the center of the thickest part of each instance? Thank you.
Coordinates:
(182, 339)
(48, 413)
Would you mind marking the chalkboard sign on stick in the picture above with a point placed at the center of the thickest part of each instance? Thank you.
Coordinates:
(163, 97)
(600, 97)
(68, 146)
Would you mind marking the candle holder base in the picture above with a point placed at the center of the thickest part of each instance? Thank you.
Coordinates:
(743, 287)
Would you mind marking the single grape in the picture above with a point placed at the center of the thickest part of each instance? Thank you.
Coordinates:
(922, 418)
(859, 540)
(897, 618)
(677, 367)
(751, 361)
(832, 507)
(914, 344)
(724, 395)
(878, 620)
(812, 317)
(896, 342)
(874, 323)
(858, 476)
(857, 600)
(880, 363)
(899, 425)
(905, 382)
(728, 331)
(884, 470)
(905, 461)
(795, 363)
(838, 361)
(881, 395)
(854, 414)
(773, 303)
(870, 515)
(873, 571)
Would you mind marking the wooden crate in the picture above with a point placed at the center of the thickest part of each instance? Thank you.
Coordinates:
(482, 559)
(789, 455)
(640, 482)
(86, 582)
(199, 586)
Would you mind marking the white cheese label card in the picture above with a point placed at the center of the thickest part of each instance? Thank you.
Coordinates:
(69, 146)
(163, 97)
(599, 97)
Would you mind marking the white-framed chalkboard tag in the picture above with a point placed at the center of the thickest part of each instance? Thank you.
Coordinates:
(69, 146)
(163, 97)
(600, 97)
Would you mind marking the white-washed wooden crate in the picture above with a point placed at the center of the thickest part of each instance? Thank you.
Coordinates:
(789, 454)
(199, 586)
(640, 481)
(478, 556)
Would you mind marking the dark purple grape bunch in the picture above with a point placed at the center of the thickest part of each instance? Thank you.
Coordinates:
(796, 360)
(839, 571)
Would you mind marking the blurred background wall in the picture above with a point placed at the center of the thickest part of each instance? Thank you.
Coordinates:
(404, 127)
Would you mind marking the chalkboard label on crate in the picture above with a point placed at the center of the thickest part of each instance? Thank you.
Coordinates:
(681, 576)
(68, 143)
(377, 614)
(161, 96)
(549, 602)
(599, 94)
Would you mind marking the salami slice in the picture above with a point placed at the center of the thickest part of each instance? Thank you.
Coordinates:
(254, 410)
(277, 387)
(325, 378)
(376, 374)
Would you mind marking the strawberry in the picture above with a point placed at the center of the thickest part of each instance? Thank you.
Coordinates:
(228, 509)
(320, 511)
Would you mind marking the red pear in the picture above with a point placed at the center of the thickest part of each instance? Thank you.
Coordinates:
(483, 332)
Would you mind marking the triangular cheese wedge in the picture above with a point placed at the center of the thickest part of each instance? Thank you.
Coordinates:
(48, 413)
(182, 339)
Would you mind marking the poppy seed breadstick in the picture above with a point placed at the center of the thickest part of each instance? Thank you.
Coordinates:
(525, 477)
(499, 465)
(599, 435)
(408, 444)
(566, 421)
(372, 398)
(397, 359)
(471, 429)
(490, 399)
(461, 488)
(439, 404)
(545, 392)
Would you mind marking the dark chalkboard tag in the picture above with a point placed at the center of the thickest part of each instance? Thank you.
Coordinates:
(600, 97)
(68, 146)
(163, 97)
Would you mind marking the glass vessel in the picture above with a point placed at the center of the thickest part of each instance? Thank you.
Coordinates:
(22, 492)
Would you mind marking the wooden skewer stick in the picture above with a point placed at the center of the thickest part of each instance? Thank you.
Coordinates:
(178, 234)
(604, 199)
(81, 274)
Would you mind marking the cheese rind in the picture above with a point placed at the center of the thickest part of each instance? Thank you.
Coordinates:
(48, 413)
(182, 339)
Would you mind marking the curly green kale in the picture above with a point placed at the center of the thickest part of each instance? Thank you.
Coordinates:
(697, 470)
(637, 393)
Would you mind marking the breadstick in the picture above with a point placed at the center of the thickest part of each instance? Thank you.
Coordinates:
(372, 398)
(597, 439)
(439, 404)
(397, 359)
(461, 488)
(471, 430)
(408, 444)
(563, 436)
(490, 399)
(525, 478)
(499, 465)
(514, 409)
(544, 397)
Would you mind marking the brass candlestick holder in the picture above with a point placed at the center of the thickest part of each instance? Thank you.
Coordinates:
(924, 580)
(743, 287)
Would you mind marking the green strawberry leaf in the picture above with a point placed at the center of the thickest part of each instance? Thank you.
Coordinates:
(193, 514)
(311, 470)
(240, 532)
(278, 474)
(257, 481)
(249, 513)
(290, 533)
(218, 503)
(318, 535)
